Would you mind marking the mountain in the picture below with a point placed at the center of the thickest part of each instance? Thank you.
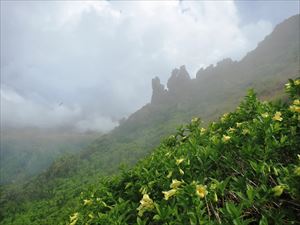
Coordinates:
(52, 196)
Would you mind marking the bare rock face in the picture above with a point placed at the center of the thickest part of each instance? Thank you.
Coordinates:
(177, 85)
(211, 70)
(178, 80)
(158, 91)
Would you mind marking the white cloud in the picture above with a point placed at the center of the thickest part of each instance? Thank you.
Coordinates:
(33, 114)
(96, 123)
(19, 111)
(98, 57)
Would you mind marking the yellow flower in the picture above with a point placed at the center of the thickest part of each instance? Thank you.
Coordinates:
(278, 190)
(297, 171)
(178, 161)
(238, 124)
(265, 115)
(245, 131)
(231, 130)
(277, 116)
(201, 191)
(146, 204)
(87, 202)
(169, 174)
(169, 194)
(296, 102)
(73, 222)
(74, 218)
(181, 171)
(288, 86)
(202, 131)
(175, 184)
(224, 117)
(297, 82)
(225, 138)
(295, 108)
(195, 120)
(147, 201)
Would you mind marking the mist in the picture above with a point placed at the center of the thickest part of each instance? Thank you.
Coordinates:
(84, 65)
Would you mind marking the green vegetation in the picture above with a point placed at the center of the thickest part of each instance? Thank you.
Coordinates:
(51, 197)
(243, 169)
(247, 154)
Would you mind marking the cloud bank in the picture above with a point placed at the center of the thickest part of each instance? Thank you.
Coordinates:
(86, 64)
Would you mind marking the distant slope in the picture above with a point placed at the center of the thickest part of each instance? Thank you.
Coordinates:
(215, 90)
(28, 152)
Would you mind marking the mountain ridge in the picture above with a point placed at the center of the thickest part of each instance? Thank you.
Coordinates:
(237, 77)
(265, 48)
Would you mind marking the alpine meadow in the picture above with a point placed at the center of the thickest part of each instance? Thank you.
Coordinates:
(217, 145)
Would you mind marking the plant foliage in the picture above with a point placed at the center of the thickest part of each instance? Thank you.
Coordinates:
(243, 169)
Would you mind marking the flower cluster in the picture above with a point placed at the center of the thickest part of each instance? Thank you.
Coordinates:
(226, 138)
(295, 107)
(277, 116)
(174, 188)
(74, 218)
(146, 204)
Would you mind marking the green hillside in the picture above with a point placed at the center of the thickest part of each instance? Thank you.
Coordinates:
(243, 169)
(53, 195)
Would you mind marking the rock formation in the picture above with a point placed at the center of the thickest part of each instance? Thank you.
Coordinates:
(178, 80)
(158, 91)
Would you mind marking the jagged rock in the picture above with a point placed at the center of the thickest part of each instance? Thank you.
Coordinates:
(158, 91)
(177, 84)
(225, 62)
(178, 80)
(208, 70)
(211, 69)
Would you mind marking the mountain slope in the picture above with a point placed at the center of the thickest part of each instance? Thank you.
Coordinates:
(214, 91)
(244, 169)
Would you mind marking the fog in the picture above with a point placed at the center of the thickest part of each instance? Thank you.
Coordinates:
(87, 64)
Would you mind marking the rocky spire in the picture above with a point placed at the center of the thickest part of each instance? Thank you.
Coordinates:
(179, 78)
(158, 91)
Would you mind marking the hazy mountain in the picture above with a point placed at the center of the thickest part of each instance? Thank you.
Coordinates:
(215, 90)
(219, 88)
(29, 151)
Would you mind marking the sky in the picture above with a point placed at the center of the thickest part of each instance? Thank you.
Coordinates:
(86, 64)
